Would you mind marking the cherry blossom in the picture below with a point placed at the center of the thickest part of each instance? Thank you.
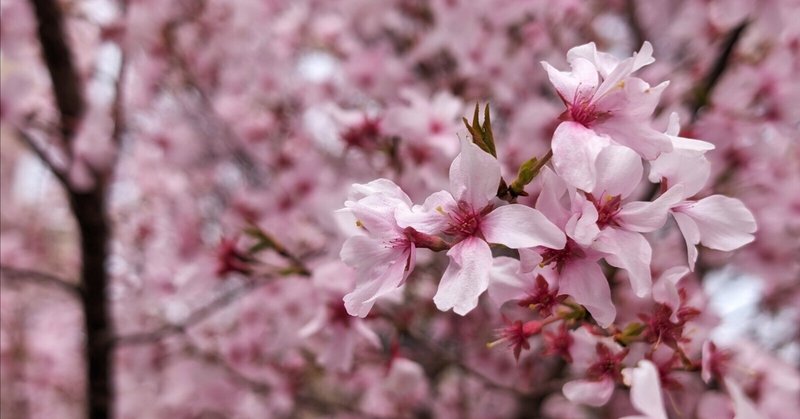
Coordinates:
(468, 214)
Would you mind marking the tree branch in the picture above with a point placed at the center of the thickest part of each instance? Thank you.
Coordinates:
(632, 15)
(215, 359)
(702, 95)
(60, 174)
(218, 303)
(39, 278)
(58, 58)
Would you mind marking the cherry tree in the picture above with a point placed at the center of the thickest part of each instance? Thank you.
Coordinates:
(399, 209)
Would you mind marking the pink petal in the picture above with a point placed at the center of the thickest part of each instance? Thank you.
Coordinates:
(365, 332)
(646, 390)
(575, 85)
(635, 134)
(586, 283)
(549, 201)
(689, 169)
(505, 281)
(366, 254)
(375, 283)
(582, 227)
(338, 353)
(518, 226)
(575, 149)
(691, 234)
(619, 171)
(681, 143)
(592, 393)
(744, 407)
(644, 57)
(378, 187)
(466, 277)
(665, 289)
(474, 175)
(646, 217)
(724, 223)
(629, 251)
(375, 214)
(529, 260)
(430, 217)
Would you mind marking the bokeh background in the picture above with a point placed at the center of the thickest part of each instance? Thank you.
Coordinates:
(176, 126)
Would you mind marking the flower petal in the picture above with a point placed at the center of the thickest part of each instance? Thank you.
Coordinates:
(430, 217)
(518, 226)
(629, 251)
(646, 390)
(575, 149)
(619, 171)
(665, 289)
(724, 223)
(474, 175)
(582, 227)
(686, 168)
(644, 216)
(691, 234)
(592, 393)
(636, 134)
(375, 283)
(466, 277)
(378, 187)
(505, 281)
(585, 282)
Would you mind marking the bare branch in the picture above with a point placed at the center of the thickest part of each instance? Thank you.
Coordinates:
(635, 25)
(702, 95)
(10, 273)
(57, 56)
(215, 359)
(59, 173)
(197, 316)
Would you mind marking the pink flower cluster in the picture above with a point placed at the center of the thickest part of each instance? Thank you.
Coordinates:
(174, 243)
(585, 218)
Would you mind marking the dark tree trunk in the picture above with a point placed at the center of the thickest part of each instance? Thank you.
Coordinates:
(89, 210)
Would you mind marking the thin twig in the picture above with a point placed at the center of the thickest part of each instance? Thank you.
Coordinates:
(702, 95)
(60, 174)
(215, 359)
(218, 303)
(632, 15)
(39, 278)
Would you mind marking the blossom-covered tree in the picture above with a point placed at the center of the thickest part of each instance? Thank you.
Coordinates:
(399, 209)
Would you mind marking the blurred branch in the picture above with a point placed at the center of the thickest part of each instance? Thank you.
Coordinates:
(635, 25)
(197, 316)
(245, 162)
(215, 359)
(702, 94)
(58, 59)
(323, 406)
(433, 349)
(60, 174)
(39, 278)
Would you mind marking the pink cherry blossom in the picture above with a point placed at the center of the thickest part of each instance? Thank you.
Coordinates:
(383, 255)
(468, 214)
(604, 104)
(645, 391)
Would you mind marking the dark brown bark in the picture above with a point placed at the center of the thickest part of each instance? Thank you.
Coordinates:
(702, 96)
(58, 58)
(89, 211)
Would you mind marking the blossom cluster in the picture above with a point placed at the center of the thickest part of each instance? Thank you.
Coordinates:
(174, 243)
(584, 218)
